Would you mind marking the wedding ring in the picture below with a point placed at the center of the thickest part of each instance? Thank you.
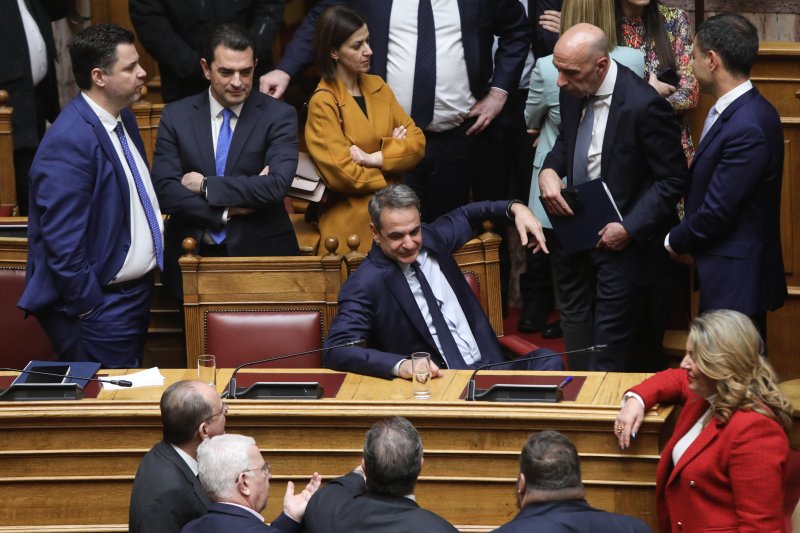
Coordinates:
(619, 429)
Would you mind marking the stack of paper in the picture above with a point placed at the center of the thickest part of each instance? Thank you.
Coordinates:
(146, 378)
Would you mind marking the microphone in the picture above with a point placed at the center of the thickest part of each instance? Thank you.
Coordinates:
(232, 383)
(118, 382)
(471, 384)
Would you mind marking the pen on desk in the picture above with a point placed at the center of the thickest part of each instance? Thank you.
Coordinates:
(565, 382)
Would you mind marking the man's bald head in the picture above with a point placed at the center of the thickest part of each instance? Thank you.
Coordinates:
(581, 57)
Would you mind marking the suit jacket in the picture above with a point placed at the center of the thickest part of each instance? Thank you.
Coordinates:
(730, 478)
(732, 223)
(15, 69)
(174, 33)
(265, 134)
(342, 506)
(570, 516)
(166, 494)
(481, 20)
(78, 222)
(376, 304)
(223, 518)
(542, 113)
(350, 186)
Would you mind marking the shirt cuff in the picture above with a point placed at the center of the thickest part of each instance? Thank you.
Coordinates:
(509, 214)
(396, 368)
(498, 88)
(666, 244)
(225, 217)
(631, 394)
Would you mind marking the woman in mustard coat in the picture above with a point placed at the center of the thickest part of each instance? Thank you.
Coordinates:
(358, 136)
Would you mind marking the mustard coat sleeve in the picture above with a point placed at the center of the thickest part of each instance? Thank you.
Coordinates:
(330, 151)
(400, 155)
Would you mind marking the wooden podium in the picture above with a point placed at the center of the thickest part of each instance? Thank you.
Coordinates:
(69, 466)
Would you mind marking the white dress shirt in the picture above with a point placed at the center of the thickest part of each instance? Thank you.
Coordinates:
(36, 47)
(190, 461)
(454, 97)
(602, 105)
(448, 303)
(141, 257)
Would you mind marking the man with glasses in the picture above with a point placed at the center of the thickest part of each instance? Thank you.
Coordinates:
(236, 478)
(166, 492)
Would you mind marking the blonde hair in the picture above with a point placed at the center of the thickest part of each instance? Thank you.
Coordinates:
(727, 348)
(599, 13)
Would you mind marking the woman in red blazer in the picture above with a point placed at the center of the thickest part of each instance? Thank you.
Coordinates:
(723, 468)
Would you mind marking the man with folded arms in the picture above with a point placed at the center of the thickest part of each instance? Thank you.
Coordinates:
(378, 496)
(236, 478)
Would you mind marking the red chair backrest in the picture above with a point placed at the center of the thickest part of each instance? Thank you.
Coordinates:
(474, 284)
(22, 339)
(237, 337)
(792, 496)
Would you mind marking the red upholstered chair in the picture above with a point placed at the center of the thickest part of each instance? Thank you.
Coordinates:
(236, 337)
(792, 496)
(246, 308)
(22, 339)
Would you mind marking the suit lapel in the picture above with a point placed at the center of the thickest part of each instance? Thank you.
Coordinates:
(398, 285)
(612, 122)
(703, 440)
(201, 125)
(379, 30)
(104, 140)
(244, 126)
(720, 122)
(170, 453)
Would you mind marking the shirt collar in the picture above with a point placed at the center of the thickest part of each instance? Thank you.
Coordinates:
(729, 97)
(188, 459)
(248, 509)
(607, 87)
(216, 108)
(108, 120)
(422, 256)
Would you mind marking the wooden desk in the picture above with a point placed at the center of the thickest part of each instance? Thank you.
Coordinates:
(73, 463)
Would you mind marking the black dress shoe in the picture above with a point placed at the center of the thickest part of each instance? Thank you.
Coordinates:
(553, 330)
(531, 321)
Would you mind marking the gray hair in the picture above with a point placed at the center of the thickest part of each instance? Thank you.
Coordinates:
(221, 459)
(392, 197)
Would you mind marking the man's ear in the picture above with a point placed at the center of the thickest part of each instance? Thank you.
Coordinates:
(376, 236)
(206, 68)
(521, 484)
(713, 60)
(98, 77)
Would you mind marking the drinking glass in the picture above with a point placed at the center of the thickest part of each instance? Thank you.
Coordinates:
(207, 369)
(421, 375)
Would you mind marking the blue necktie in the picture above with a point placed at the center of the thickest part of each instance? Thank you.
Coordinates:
(580, 159)
(710, 118)
(223, 145)
(149, 212)
(451, 354)
(425, 70)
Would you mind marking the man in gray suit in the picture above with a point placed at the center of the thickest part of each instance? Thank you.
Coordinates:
(166, 492)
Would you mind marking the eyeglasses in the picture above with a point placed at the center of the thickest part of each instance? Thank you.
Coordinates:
(265, 468)
(224, 411)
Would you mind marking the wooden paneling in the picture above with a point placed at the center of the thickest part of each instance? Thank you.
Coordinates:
(66, 463)
(8, 185)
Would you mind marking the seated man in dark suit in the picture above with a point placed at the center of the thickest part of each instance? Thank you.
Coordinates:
(166, 493)
(550, 493)
(236, 479)
(406, 297)
(378, 496)
(224, 161)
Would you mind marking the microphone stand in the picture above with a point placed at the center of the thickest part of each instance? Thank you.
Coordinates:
(554, 389)
(232, 393)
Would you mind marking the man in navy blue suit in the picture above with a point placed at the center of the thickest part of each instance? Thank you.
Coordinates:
(224, 161)
(438, 58)
(94, 225)
(550, 493)
(732, 223)
(236, 478)
(631, 141)
(408, 297)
